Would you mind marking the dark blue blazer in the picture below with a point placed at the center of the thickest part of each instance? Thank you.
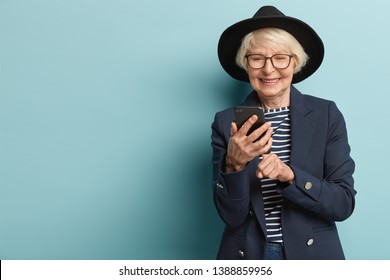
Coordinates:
(322, 193)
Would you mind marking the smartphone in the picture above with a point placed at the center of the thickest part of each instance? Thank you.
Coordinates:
(243, 113)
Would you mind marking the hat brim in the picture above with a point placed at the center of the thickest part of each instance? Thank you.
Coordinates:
(231, 38)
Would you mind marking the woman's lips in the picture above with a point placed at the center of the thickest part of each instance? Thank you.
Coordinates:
(269, 81)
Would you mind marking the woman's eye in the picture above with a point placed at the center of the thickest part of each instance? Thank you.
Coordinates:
(258, 58)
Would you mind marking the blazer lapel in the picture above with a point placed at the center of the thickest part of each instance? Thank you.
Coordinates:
(251, 100)
(302, 128)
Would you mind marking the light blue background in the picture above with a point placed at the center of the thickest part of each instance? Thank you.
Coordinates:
(105, 114)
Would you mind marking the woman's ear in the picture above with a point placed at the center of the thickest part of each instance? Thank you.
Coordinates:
(295, 61)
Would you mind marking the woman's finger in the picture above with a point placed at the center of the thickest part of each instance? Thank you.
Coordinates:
(243, 131)
(233, 129)
(264, 129)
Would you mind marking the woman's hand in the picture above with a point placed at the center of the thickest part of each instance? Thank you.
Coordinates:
(272, 167)
(243, 148)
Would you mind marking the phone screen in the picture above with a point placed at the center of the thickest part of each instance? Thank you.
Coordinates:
(243, 113)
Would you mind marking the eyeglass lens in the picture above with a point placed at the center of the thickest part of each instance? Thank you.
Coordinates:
(280, 61)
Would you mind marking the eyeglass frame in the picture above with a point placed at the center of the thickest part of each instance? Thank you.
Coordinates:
(270, 58)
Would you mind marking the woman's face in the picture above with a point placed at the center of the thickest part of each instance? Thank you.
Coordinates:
(269, 82)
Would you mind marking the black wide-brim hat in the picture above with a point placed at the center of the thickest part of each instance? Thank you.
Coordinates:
(269, 16)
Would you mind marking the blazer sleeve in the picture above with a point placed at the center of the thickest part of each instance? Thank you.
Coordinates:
(230, 191)
(330, 195)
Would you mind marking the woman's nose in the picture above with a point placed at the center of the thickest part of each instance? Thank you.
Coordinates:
(268, 66)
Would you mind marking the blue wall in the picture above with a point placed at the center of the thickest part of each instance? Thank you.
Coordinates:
(105, 114)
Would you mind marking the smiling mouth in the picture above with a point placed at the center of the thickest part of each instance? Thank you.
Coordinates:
(269, 81)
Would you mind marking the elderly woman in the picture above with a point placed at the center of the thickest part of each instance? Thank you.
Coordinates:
(281, 188)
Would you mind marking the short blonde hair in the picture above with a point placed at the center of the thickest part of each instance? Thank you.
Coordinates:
(273, 37)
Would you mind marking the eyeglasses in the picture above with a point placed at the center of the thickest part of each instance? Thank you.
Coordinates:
(258, 61)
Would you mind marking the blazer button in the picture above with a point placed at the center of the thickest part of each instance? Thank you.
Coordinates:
(219, 186)
(241, 253)
(308, 185)
(310, 242)
(250, 213)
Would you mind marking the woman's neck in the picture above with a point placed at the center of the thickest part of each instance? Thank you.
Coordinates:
(276, 102)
